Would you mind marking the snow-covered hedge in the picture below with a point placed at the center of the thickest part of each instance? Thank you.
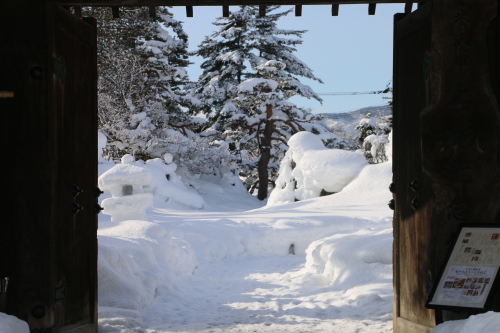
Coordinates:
(309, 169)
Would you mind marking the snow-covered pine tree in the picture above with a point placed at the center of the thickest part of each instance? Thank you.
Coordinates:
(241, 115)
(141, 73)
(266, 119)
(373, 137)
(367, 126)
(226, 52)
(272, 43)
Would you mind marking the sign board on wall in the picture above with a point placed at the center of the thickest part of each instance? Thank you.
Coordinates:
(471, 270)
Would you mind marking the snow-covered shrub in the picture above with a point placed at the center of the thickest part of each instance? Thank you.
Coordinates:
(167, 185)
(374, 148)
(366, 127)
(198, 154)
(309, 170)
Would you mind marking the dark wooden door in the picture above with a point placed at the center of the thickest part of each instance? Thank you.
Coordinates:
(48, 101)
(413, 196)
(74, 129)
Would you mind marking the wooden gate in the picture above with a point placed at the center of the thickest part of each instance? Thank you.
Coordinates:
(74, 101)
(413, 196)
(48, 242)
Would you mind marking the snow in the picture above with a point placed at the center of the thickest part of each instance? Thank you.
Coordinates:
(309, 167)
(126, 173)
(251, 84)
(227, 267)
(481, 323)
(368, 121)
(10, 324)
(101, 144)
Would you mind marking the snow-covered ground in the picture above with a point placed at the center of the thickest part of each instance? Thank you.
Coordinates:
(238, 265)
(227, 267)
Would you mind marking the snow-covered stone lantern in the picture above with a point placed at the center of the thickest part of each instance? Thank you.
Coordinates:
(126, 182)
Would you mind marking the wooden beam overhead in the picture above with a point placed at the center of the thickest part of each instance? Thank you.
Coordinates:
(408, 7)
(335, 9)
(115, 10)
(189, 11)
(219, 2)
(78, 11)
(152, 12)
(372, 7)
(262, 10)
(225, 11)
(298, 10)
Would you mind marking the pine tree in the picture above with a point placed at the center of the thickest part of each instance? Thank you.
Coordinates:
(226, 52)
(272, 43)
(141, 74)
(366, 127)
(256, 122)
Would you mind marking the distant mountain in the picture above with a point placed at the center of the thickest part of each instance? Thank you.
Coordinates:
(383, 110)
(347, 121)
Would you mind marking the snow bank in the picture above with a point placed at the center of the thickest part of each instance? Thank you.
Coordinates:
(138, 261)
(309, 168)
(11, 324)
(352, 259)
(481, 323)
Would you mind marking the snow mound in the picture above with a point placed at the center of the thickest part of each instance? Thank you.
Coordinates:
(309, 169)
(11, 324)
(481, 323)
(137, 262)
(353, 259)
(167, 185)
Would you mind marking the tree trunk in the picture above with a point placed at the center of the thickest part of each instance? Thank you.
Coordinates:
(265, 155)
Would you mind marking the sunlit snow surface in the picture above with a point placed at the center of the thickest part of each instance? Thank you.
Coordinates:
(227, 268)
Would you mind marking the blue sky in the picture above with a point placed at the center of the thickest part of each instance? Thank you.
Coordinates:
(350, 52)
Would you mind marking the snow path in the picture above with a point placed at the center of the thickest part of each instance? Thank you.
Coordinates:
(257, 296)
(227, 267)
(265, 292)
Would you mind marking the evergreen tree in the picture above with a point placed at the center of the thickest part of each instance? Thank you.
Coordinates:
(141, 74)
(366, 127)
(255, 121)
(267, 119)
(226, 52)
(272, 43)
(373, 137)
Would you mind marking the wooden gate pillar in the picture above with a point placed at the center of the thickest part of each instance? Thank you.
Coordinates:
(461, 128)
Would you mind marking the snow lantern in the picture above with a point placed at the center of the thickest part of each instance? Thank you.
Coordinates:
(126, 182)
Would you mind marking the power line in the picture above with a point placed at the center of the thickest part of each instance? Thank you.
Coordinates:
(385, 91)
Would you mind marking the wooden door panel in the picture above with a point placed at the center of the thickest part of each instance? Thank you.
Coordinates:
(413, 206)
(75, 227)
